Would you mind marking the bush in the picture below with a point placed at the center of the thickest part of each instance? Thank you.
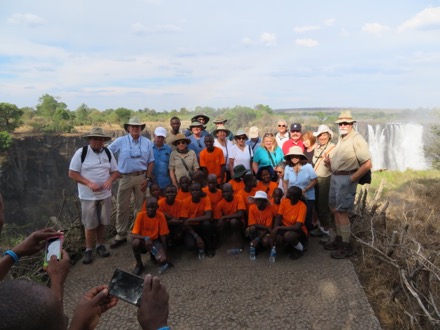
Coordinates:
(5, 141)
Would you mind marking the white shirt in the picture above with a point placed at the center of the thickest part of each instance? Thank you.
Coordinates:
(281, 139)
(242, 157)
(226, 150)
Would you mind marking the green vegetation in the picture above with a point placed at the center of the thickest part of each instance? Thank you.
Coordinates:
(10, 117)
(5, 141)
(433, 150)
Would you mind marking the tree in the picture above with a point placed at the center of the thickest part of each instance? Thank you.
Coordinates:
(48, 105)
(82, 114)
(123, 115)
(10, 117)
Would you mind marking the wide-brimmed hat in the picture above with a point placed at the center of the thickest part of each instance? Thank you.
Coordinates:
(239, 171)
(195, 123)
(221, 128)
(219, 120)
(345, 117)
(134, 121)
(323, 129)
(193, 119)
(160, 131)
(297, 151)
(241, 132)
(180, 137)
(97, 132)
(259, 194)
(253, 132)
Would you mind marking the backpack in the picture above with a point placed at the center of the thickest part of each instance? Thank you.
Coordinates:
(84, 153)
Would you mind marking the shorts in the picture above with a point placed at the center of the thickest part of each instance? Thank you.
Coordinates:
(95, 213)
(342, 193)
(157, 243)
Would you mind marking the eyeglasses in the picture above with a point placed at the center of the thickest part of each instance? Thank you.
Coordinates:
(240, 138)
(181, 142)
(344, 124)
(200, 145)
(280, 172)
(281, 125)
(136, 151)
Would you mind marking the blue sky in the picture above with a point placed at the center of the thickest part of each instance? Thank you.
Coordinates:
(168, 54)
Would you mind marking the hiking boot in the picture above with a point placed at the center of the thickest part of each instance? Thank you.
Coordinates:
(325, 238)
(334, 245)
(117, 243)
(102, 251)
(88, 257)
(317, 232)
(295, 254)
(345, 251)
(138, 269)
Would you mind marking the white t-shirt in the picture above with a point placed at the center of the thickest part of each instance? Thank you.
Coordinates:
(96, 168)
(241, 157)
(226, 150)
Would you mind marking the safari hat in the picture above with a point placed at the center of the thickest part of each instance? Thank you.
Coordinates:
(134, 121)
(193, 119)
(180, 137)
(160, 131)
(97, 132)
(259, 194)
(241, 132)
(221, 128)
(219, 120)
(253, 132)
(239, 171)
(323, 129)
(345, 117)
(297, 151)
(195, 123)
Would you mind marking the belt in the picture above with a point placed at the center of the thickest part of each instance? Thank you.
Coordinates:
(133, 173)
(344, 172)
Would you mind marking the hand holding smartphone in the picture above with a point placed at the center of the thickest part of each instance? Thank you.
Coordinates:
(54, 247)
(127, 287)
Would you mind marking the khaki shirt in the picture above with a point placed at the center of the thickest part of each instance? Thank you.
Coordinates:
(318, 159)
(177, 166)
(170, 139)
(350, 152)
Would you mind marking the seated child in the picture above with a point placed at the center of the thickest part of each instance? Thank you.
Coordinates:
(277, 196)
(250, 182)
(265, 183)
(214, 194)
(172, 209)
(237, 179)
(260, 220)
(183, 192)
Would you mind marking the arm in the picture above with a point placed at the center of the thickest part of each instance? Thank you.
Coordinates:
(310, 185)
(206, 216)
(76, 176)
(255, 167)
(231, 166)
(108, 184)
(58, 270)
(222, 175)
(285, 186)
(173, 178)
(237, 215)
(149, 174)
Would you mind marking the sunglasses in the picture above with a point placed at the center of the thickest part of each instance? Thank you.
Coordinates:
(281, 125)
(268, 134)
(180, 142)
(279, 172)
(344, 124)
(240, 138)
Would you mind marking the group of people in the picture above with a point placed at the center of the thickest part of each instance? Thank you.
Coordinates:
(195, 188)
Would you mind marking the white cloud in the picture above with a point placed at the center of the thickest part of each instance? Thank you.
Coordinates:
(329, 22)
(141, 29)
(268, 39)
(306, 28)
(27, 19)
(426, 19)
(247, 41)
(307, 42)
(375, 28)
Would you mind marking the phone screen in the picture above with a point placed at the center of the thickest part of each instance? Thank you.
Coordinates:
(127, 287)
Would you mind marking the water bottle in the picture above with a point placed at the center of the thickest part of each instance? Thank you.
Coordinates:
(252, 253)
(163, 268)
(201, 254)
(155, 252)
(233, 252)
(273, 254)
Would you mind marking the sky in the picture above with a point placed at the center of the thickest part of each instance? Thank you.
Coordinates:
(169, 54)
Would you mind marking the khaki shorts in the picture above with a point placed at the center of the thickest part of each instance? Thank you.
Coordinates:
(96, 213)
(342, 193)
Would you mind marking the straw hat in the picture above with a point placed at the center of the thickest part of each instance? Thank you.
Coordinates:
(323, 129)
(97, 132)
(134, 121)
(219, 120)
(221, 128)
(345, 117)
(297, 151)
(180, 137)
(240, 132)
(258, 195)
(195, 123)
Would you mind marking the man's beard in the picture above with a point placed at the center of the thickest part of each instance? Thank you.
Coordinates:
(343, 131)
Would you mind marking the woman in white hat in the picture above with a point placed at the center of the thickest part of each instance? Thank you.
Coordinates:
(241, 153)
(300, 173)
(325, 148)
(221, 141)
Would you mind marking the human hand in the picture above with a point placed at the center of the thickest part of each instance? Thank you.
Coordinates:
(34, 242)
(144, 185)
(153, 313)
(148, 244)
(94, 187)
(58, 269)
(107, 185)
(90, 308)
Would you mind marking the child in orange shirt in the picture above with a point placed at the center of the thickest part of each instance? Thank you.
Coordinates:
(212, 160)
(277, 196)
(172, 209)
(214, 194)
(265, 182)
(229, 212)
(260, 220)
(237, 179)
(289, 225)
(149, 235)
(250, 182)
(154, 192)
(183, 192)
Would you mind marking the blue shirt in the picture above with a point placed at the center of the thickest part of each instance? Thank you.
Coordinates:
(301, 179)
(161, 162)
(133, 156)
(261, 157)
(254, 145)
(196, 145)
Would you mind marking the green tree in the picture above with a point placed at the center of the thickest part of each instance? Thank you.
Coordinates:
(48, 105)
(5, 141)
(82, 114)
(123, 115)
(10, 117)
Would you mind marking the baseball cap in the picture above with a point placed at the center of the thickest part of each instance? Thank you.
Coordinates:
(253, 132)
(295, 127)
(160, 131)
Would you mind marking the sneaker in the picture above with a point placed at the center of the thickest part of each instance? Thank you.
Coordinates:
(345, 251)
(138, 269)
(325, 238)
(116, 243)
(334, 245)
(316, 232)
(102, 251)
(88, 257)
(296, 254)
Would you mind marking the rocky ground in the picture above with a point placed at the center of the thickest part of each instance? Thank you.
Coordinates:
(232, 292)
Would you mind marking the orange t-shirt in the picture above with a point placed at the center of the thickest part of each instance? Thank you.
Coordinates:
(227, 208)
(257, 217)
(275, 208)
(182, 195)
(144, 204)
(173, 211)
(245, 195)
(193, 210)
(267, 189)
(213, 161)
(214, 197)
(236, 186)
(292, 214)
(151, 227)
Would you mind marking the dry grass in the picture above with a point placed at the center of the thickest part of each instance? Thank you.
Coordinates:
(401, 276)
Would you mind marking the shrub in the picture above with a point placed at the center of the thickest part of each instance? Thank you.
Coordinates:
(5, 141)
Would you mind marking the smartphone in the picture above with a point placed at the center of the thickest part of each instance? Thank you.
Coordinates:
(54, 247)
(127, 287)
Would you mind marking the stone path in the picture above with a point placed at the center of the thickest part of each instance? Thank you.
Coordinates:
(232, 292)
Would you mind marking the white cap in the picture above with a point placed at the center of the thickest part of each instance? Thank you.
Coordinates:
(253, 132)
(160, 131)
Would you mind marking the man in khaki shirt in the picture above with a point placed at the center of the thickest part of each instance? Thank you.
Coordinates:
(350, 161)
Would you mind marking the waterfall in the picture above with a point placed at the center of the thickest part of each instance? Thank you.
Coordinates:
(397, 146)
